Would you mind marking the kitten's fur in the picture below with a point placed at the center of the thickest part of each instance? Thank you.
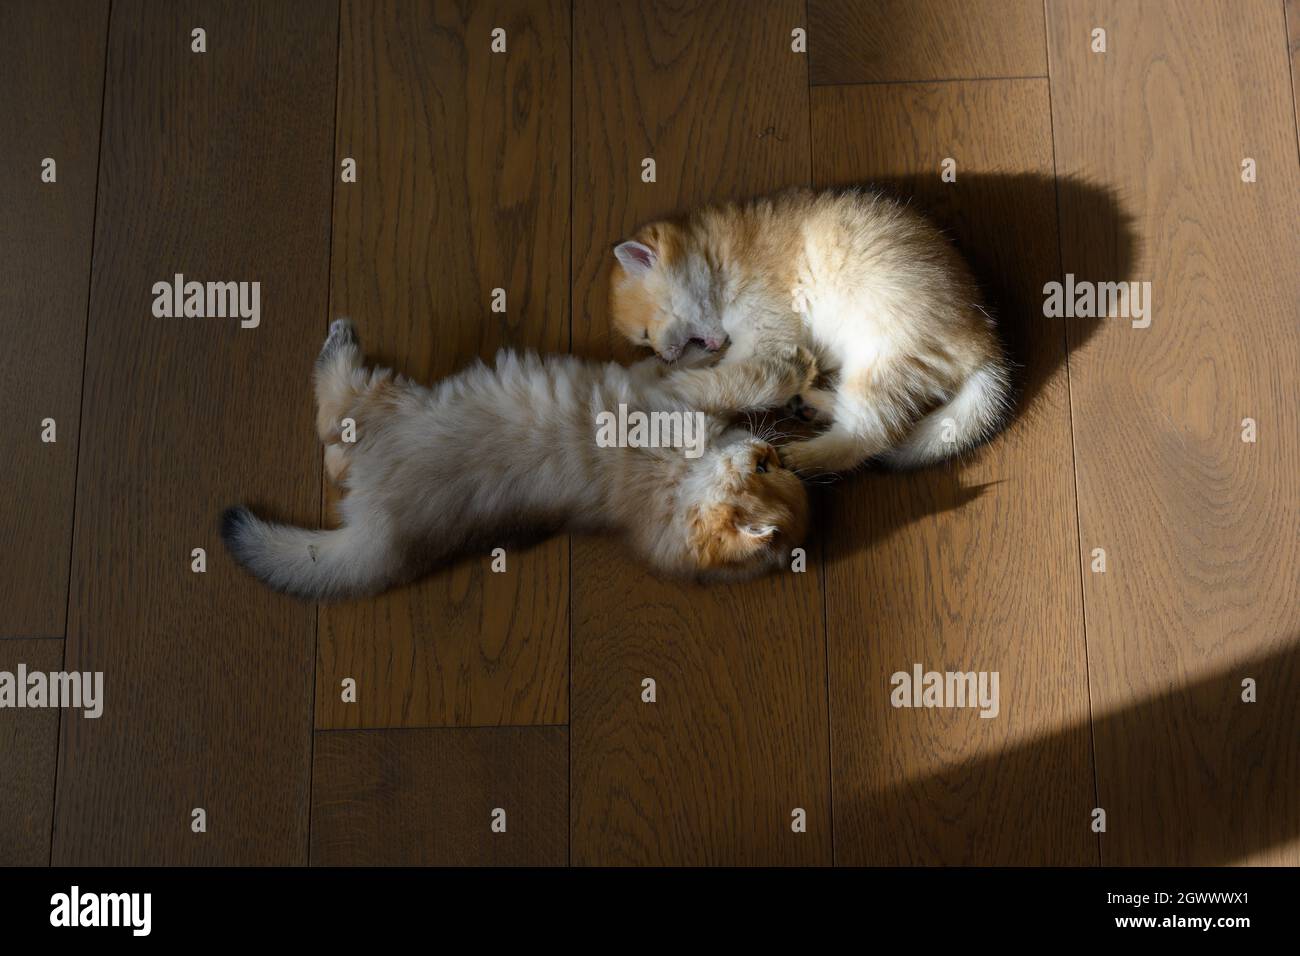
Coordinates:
(872, 288)
(492, 452)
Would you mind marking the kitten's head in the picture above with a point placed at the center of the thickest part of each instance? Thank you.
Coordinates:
(662, 294)
(744, 509)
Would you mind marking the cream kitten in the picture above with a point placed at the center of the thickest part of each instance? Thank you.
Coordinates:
(493, 452)
(885, 303)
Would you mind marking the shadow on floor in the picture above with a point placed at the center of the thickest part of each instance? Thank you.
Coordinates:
(1007, 228)
(1192, 776)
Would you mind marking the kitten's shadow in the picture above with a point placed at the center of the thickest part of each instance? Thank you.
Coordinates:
(1007, 227)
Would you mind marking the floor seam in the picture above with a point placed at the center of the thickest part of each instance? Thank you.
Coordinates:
(320, 458)
(1074, 464)
(81, 421)
(922, 81)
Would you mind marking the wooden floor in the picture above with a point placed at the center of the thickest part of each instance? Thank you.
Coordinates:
(487, 699)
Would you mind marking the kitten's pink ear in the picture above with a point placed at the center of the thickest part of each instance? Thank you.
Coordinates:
(636, 258)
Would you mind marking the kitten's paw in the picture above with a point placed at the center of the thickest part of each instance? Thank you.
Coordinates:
(804, 459)
(343, 332)
(801, 410)
(793, 458)
(812, 405)
(341, 345)
(696, 356)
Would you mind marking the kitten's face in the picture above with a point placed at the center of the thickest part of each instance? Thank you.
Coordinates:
(749, 510)
(662, 295)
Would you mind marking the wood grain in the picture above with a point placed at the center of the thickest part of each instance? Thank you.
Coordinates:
(217, 166)
(222, 165)
(462, 187)
(1199, 527)
(428, 797)
(1292, 13)
(737, 740)
(883, 41)
(28, 742)
(52, 74)
(971, 566)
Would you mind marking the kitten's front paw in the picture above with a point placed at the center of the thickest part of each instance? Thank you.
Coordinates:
(803, 458)
(800, 409)
(812, 405)
(696, 356)
(793, 458)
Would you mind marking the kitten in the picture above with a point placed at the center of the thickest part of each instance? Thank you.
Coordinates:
(492, 452)
(872, 288)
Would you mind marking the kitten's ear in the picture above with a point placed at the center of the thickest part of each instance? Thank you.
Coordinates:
(636, 258)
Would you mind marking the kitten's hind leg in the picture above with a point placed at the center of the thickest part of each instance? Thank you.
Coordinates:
(342, 333)
(338, 378)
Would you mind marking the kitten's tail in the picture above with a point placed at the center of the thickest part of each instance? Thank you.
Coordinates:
(317, 565)
(973, 415)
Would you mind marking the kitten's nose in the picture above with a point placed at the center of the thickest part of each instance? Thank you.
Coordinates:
(713, 344)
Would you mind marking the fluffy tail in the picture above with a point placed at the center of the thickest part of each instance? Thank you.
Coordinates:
(317, 565)
(971, 416)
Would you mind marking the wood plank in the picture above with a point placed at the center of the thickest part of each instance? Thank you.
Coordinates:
(885, 41)
(430, 797)
(972, 566)
(1199, 527)
(215, 165)
(28, 743)
(1292, 12)
(712, 772)
(462, 187)
(52, 72)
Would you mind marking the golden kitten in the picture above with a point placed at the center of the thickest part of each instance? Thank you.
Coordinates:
(490, 453)
(885, 303)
